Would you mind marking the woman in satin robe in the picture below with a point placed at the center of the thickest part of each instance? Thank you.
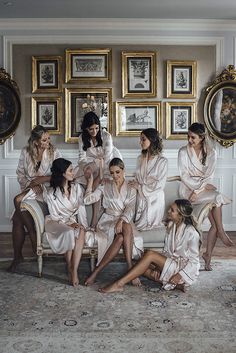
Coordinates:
(197, 163)
(34, 169)
(178, 265)
(66, 223)
(151, 174)
(115, 227)
(95, 148)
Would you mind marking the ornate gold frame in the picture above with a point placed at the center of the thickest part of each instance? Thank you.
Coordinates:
(34, 113)
(170, 135)
(186, 64)
(73, 92)
(125, 74)
(36, 60)
(121, 104)
(107, 53)
(226, 80)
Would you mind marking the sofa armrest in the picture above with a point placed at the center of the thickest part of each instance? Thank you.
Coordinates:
(38, 210)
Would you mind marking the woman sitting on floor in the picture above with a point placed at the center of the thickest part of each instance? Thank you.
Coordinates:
(178, 265)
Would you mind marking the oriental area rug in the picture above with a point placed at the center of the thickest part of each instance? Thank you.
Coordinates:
(40, 315)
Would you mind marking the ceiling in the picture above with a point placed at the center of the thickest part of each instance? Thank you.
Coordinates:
(153, 9)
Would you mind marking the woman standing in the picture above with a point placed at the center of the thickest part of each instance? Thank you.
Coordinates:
(115, 228)
(178, 265)
(151, 174)
(197, 162)
(66, 223)
(95, 149)
(34, 169)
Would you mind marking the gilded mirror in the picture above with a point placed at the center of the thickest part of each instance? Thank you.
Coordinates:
(220, 108)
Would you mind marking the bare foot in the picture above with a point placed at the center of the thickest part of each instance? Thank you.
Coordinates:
(14, 264)
(74, 278)
(112, 288)
(225, 238)
(136, 282)
(91, 279)
(207, 262)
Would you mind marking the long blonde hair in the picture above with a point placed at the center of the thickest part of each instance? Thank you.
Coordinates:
(32, 147)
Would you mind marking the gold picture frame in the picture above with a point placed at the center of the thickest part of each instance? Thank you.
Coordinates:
(179, 116)
(47, 111)
(93, 65)
(46, 74)
(133, 117)
(181, 79)
(139, 74)
(79, 101)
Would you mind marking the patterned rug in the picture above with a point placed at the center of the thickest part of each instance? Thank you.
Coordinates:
(48, 315)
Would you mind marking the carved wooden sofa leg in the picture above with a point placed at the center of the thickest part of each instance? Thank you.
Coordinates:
(40, 265)
(93, 254)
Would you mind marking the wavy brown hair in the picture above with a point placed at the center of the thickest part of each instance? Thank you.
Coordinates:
(199, 129)
(155, 139)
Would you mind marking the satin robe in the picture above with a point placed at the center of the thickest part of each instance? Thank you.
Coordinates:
(182, 251)
(62, 213)
(26, 171)
(194, 176)
(150, 205)
(94, 154)
(116, 205)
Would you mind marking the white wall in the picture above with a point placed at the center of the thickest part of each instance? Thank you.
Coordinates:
(220, 34)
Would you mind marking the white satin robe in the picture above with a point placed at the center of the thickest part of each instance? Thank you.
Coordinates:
(62, 213)
(150, 205)
(116, 205)
(182, 251)
(194, 176)
(26, 171)
(94, 154)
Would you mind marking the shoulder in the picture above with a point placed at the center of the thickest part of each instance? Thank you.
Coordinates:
(193, 233)
(161, 159)
(182, 150)
(105, 134)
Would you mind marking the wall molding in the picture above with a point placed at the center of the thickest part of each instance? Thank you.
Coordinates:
(8, 209)
(116, 24)
(234, 193)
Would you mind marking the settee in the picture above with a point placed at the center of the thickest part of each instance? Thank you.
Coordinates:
(153, 239)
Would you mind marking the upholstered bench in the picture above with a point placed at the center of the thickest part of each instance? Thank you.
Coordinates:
(153, 239)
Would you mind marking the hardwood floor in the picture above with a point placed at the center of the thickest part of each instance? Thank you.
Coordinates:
(6, 251)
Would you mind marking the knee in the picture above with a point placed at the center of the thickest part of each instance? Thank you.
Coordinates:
(17, 200)
(150, 254)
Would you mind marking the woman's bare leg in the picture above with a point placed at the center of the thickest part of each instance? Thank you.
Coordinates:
(95, 212)
(211, 241)
(128, 249)
(217, 215)
(68, 256)
(112, 251)
(18, 239)
(139, 269)
(76, 257)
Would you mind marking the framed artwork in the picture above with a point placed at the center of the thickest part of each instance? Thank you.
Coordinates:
(88, 65)
(181, 79)
(80, 101)
(48, 113)
(138, 74)
(179, 116)
(133, 117)
(10, 106)
(46, 74)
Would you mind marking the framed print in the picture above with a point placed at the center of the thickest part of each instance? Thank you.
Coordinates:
(48, 113)
(133, 117)
(10, 106)
(181, 79)
(80, 101)
(179, 116)
(88, 65)
(138, 74)
(46, 74)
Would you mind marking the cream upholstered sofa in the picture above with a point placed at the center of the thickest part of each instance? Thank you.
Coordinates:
(153, 239)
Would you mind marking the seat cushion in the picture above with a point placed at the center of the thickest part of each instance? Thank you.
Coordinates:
(154, 237)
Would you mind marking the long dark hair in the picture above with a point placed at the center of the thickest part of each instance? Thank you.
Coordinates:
(199, 129)
(90, 119)
(59, 167)
(155, 139)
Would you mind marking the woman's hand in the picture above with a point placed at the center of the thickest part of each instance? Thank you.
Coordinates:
(39, 180)
(192, 197)
(134, 184)
(175, 279)
(76, 226)
(210, 187)
(118, 227)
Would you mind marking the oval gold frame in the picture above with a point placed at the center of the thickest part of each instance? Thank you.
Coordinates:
(226, 80)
